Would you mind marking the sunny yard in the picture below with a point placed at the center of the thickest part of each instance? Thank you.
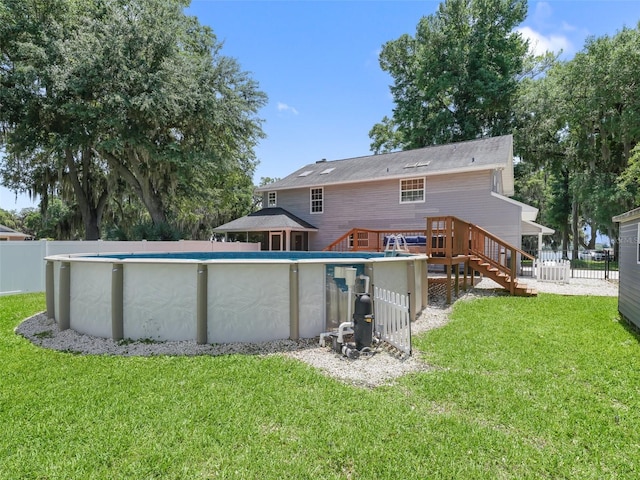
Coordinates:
(544, 387)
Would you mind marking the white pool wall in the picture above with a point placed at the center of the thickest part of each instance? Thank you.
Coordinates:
(247, 300)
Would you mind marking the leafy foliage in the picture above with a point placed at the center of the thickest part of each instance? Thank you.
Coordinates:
(124, 98)
(456, 78)
(579, 124)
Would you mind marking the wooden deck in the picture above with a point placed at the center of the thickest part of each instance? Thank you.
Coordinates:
(454, 243)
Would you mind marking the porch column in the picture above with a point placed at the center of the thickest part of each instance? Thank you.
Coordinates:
(287, 234)
(539, 245)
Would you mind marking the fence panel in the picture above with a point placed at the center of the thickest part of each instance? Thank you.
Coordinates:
(392, 318)
(553, 271)
(22, 267)
(22, 264)
(600, 268)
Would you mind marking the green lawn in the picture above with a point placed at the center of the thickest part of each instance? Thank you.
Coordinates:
(545, 387)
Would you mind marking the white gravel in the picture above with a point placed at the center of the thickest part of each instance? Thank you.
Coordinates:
(380, 367)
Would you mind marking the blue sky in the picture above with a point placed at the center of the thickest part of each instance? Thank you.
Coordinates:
(318, 63)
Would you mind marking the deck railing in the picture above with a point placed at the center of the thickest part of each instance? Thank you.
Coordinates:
(369, 240)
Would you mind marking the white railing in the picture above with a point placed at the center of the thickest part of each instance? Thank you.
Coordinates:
(553, 271)
(392, 318)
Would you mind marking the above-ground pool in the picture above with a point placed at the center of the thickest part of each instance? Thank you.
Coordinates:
(217, 297)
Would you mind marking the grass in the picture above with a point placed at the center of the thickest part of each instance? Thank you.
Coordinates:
(593, 264)
(544, 387)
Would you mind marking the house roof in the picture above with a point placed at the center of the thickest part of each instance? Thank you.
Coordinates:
(495, 153)
(6, 232)
(627, 216)
(532, 228)
(272, 218)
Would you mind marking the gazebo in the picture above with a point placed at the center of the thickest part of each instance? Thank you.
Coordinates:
(281, 230)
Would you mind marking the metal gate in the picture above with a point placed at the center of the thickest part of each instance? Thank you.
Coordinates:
(393, 319)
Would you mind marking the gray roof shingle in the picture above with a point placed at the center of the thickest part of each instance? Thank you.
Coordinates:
(273, 218)
(482, 154)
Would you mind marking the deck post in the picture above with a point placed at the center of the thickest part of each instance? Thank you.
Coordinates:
(457, 277)
(464, 275)
(512, 286)
(449, 284)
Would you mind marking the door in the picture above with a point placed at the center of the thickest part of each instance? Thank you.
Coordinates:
(275, 241)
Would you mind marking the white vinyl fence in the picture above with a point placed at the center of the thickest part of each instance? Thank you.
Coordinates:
(553, 271)
(22, 264)
(392, 318)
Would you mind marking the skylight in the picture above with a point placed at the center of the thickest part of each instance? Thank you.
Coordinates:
(328, 170)
(417, 164)
(305, 173)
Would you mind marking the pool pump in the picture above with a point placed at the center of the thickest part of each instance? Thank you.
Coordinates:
(360, 324)
(362, 328)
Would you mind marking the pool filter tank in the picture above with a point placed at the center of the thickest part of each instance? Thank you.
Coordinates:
(363, 321)
(359, 323)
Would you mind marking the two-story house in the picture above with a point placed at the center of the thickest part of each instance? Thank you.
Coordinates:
(315, 205)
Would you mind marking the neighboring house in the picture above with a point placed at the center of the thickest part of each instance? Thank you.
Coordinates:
(471, 180)
(629, 266)
(7, 233)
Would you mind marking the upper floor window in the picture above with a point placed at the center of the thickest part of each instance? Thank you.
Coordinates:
(317, 200)
(272, 199)
(412, 190)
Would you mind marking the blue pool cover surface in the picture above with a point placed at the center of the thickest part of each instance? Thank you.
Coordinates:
(203, 256)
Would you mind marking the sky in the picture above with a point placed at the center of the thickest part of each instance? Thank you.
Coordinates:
(317, 61)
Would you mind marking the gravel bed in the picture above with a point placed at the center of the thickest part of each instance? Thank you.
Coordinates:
(381, 367)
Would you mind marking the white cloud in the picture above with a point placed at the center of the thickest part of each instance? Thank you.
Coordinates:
(539, 43)
(283, 107)
(542, 12)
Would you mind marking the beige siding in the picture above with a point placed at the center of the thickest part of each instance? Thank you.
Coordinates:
(629, 289)
(377, 205)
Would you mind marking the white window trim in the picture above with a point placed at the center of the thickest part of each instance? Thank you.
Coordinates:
(424, 190)
(275, 199)
(311, 200)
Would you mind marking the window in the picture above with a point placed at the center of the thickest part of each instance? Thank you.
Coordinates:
(272, 199)
(412, 190)
(317, 200)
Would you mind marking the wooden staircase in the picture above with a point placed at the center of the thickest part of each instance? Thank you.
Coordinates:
(454, 241)
(503, 279)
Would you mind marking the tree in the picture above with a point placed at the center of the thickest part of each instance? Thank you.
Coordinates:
(580, 123)
(47, 138)
(457, 78)
(173, 110)
(8, 219)
(128, 92)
